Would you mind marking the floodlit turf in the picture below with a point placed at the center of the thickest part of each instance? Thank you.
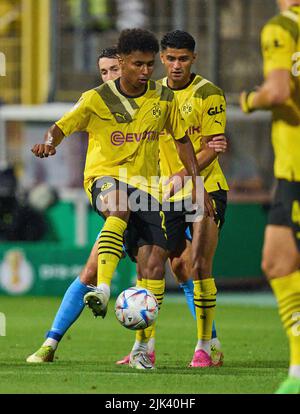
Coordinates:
(256, 353)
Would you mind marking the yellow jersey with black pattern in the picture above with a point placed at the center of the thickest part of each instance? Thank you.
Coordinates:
(203, 108)
(124, 132)
(280, 41)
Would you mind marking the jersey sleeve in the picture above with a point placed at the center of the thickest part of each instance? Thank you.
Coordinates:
(175, 123)
(214, 115)
(77, 118)
(278, 46)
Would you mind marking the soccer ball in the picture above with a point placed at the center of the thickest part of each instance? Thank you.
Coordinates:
(136, 308)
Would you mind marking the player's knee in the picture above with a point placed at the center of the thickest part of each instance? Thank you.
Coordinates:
(276, 267)
(267, 266)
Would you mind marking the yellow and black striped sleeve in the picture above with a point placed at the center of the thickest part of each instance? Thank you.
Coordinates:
(213, 110)
(78, 117)
(279, 43)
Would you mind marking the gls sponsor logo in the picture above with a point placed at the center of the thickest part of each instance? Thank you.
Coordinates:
(117, 138)
(215, 110)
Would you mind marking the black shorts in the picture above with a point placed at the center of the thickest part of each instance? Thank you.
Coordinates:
(285, 207)
(146, 225)
(177, 224)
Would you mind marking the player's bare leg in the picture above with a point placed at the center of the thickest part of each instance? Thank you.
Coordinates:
(281, 263)
(69, 311)
(205, 239)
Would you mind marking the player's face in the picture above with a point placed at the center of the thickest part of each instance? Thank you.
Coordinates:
(137, 69)
(285, 4)
(178, 63)
(109, 68)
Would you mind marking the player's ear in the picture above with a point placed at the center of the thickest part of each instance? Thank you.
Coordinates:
(194, 57)
(161, 55)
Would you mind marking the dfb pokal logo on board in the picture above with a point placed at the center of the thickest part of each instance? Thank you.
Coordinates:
(16, 273)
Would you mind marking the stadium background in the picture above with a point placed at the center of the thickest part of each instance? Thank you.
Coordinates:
(48, 54)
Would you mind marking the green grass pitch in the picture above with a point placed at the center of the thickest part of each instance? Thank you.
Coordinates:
(256, 352)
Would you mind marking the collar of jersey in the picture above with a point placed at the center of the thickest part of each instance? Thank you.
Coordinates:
(118, 86)
(193, 76)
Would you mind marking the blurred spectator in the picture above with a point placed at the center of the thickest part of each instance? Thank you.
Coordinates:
(92, 14)
(18, 221)
(131, 13)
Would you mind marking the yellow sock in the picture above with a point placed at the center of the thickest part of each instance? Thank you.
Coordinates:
(110, 247)
(139, 283)
(205, 293)
(287, 292)
(152, 336)
(157, 287)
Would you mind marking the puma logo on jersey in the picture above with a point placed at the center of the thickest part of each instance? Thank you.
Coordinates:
(122, 117)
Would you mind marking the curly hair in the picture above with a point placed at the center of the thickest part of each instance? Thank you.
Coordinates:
(132, 40)
(178, 39)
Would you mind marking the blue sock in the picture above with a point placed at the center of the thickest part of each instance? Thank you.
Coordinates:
(69, 310)
(188, 288)
(214, 331)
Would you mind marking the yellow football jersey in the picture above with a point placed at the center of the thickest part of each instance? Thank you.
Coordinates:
(280, 40)
(124, 132)
(203, 107)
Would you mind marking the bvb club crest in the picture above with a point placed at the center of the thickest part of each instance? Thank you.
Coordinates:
(187, 108)
(156, 111)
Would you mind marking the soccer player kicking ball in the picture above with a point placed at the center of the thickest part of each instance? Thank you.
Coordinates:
(124, 119)
(203, 106)
(280, 93)
(72, 303)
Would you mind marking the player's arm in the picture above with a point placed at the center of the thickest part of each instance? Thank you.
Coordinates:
(278, 47)
(52, 139)
(211, 147)
(187, 155)
(275, 90)
(213, 123)
(74, 120)
(175, 126)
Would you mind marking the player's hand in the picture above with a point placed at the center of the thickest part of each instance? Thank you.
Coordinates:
(43, 150)
(209, 210)
(203, 203)
(173, 184)
(218, 143)
(246, 99)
